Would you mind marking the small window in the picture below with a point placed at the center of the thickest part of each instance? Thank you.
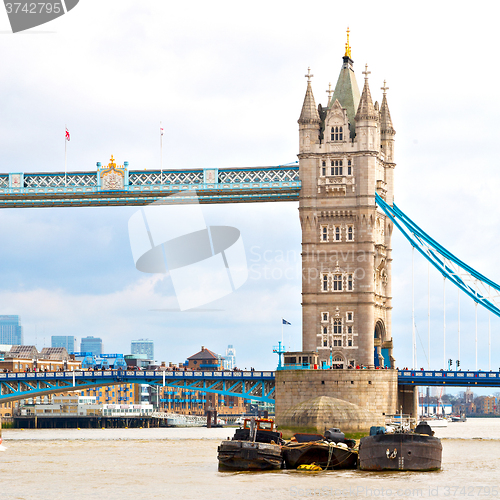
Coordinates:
(337, 233)
(325, 330)
(325, 282)
(325, 343)
(323, 164)
(323, 171)
(332, 163)
(337, 283)
(350, 316)
(349, 282)
(325, 316)
(349, 329)
(324, 233)
(350, 233)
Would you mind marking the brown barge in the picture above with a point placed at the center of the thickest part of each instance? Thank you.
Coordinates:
(405, 451)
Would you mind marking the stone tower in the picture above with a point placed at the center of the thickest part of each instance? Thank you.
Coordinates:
(346, 155)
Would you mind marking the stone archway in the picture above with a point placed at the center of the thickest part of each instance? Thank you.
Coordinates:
(338, 361)
(379, 338)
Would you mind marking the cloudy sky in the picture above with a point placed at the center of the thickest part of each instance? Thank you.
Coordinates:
(227, 81)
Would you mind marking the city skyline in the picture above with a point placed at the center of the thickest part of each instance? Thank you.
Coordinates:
(82, 277)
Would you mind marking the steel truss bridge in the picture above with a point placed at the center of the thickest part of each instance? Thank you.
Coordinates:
(141, 187)
(251, 385)
(255, 386)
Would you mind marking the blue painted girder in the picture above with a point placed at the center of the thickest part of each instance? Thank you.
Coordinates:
(257, 386)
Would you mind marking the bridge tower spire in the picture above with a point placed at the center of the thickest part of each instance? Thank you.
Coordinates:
(346, 155)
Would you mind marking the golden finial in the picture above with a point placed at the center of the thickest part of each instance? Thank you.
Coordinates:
(347, 46)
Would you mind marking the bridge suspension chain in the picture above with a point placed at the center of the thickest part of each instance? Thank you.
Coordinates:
(478, 287)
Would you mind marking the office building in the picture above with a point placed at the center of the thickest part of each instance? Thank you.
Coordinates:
(91, 344)
(230, 358)
(143, 346)
(66, 341)
(11, 331)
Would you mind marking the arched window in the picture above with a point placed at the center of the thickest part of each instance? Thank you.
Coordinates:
(325, 330)
(337, 326)
(325, 282)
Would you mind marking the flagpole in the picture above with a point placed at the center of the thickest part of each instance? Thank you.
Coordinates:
(65, 155)
(161, 154)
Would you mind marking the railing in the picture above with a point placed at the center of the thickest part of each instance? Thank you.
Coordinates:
(139, 375)
(441, 377)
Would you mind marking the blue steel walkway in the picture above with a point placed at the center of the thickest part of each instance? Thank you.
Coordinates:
(455, 379)
(255, 386)
(141, 187)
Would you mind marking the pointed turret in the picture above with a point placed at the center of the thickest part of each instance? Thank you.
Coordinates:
(309, 113)
(387, 131)
(347, 91)
(366, 110)
(385, 115)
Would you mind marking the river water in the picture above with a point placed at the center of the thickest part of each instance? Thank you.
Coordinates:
(71, 464)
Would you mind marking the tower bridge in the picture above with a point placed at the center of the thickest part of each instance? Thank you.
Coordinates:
(344, 183)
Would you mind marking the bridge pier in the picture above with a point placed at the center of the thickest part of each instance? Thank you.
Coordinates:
(374, 391)
(408, 400)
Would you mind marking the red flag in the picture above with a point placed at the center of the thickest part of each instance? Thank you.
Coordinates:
(67, 134)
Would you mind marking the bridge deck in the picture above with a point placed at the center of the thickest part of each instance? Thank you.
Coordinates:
(140, 187)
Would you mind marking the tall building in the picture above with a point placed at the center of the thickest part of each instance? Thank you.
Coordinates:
(230, 358)
(143, 346)
(11, 331)
(346, 155)
(66, 341)
(91, 344)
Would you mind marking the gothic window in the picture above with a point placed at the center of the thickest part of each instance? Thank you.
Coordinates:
(349, 282)
(337, 282)
(337, 326)
(325, 330)
(325, 316)
(349, 167)
(324, 233)
(337, 233)
(336, 134)
(336, 167)
(325, 282)
(349, 329)
(350, 316)
(350, 233)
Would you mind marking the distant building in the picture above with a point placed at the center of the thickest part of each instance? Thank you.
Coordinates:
(11, 331)
(66, 341)
(230, 358)
(91, 344)
(205, 360)
(143, 346)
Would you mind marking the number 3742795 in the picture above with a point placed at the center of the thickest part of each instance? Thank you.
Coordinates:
(33, 8)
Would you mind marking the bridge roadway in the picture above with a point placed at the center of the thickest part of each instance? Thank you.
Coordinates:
(141, 187)
(255, 386)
